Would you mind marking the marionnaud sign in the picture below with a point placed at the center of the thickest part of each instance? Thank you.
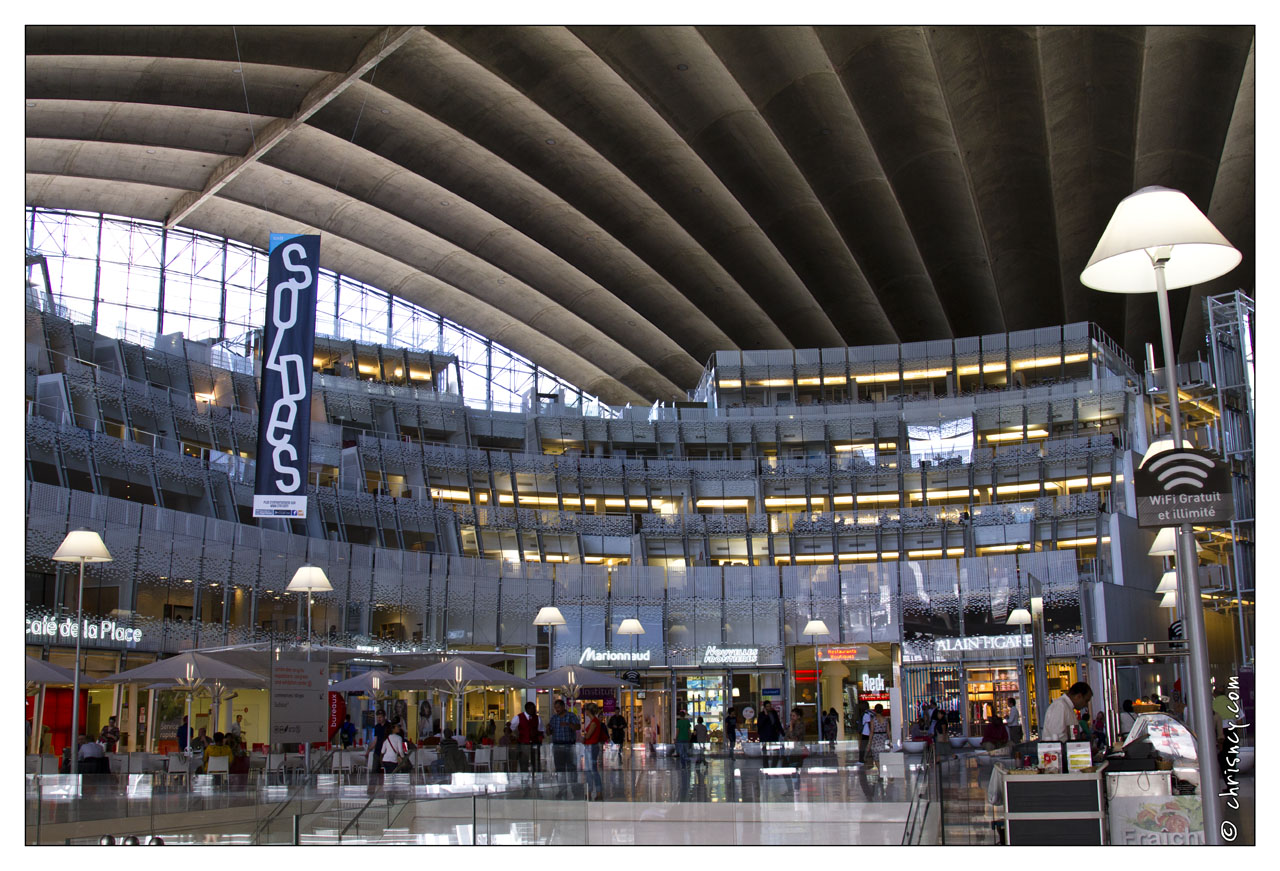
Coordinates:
(1183, 486)
(284, 407)
(94, 630)
(981, 642)
(591, 655)
(731, 655)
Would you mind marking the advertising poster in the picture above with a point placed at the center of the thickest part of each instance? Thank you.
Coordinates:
(284, 406)
(1156, 820)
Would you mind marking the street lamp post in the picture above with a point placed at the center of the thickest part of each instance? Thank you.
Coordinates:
(632, 626)
(80, 546)
(812, 630)
(309, 579)
(1158, 240)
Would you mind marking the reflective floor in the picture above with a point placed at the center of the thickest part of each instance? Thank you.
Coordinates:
(829, 799)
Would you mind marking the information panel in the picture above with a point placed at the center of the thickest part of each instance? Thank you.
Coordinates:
(299, 702)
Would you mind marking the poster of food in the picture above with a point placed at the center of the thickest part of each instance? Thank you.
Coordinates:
(1156, 820)
(1049, 757)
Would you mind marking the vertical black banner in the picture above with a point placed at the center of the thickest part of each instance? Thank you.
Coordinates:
(284, 408)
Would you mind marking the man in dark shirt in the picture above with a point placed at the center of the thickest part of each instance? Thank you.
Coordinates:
(731, 729)
(769, 727)
(347, 732)
(618, 729)
(184, 734)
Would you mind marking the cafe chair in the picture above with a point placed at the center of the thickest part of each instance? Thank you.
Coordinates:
(220, 765)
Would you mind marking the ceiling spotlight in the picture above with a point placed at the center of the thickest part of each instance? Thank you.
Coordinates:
(30, 104)
(444, 202)
(551, 142)
(151, 151)
(682, 67)
(386, 111)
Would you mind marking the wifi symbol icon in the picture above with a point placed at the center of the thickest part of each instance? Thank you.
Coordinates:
(1181, 469)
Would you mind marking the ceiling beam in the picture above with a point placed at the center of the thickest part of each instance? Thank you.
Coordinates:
(382, 45)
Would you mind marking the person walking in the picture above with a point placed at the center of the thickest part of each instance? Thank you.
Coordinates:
(796, 750)
(684, 737)
(237, 728)
(878, 736)
(769, 728)
(593, 737)
(563, 726)
(1013, 723)
(651, 737)
(700, 737)
(528, 735)
(347, 732)
(184, 736)
(731, 729)
(864, 732)
(831, 728)
(393, 748)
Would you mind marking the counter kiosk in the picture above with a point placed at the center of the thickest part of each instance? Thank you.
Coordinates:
(1052, 809)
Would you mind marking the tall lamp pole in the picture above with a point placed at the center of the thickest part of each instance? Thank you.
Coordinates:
(631, 626)
(812, 630)
(80, 546)
(1158, 240)
(308, 579)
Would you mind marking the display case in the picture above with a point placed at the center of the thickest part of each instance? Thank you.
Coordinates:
(987, 692)
(1054, 809)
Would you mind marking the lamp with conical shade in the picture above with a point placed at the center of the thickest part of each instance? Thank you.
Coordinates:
(1166, 543)
(550, 617)
(1151, 223)
(812, 630)
(630, 626)
(1169, 600)
(80, 546)
(1159, 446)
(1168, 583)
(1019, 617)
(309, 579)
(1157, 240)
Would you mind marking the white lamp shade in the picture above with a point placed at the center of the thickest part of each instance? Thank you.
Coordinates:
(1170, 600)
(1166, 543)
(549, 616)
(1160, 445)
(736, 692)
(1019, 617)
(1037, 606)
(630, 626)
(1168, 583)
(1151, 218)
(815, 627)
(82, 546)
(309, 579)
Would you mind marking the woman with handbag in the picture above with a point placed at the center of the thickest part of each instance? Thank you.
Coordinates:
(879, 736)
(393, 750)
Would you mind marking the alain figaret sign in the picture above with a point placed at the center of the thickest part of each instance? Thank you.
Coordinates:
(284, 407)
(1183, 486)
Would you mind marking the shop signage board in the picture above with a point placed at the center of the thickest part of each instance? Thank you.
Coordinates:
(771, 691)
(103, 631)
(982, 642)
(1183, 486)
(845, 653)
(284, 404)
(591, 656)
(715, 655)
(299, 701)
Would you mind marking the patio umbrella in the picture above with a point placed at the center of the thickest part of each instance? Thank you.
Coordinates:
(40, 673)
(571, 678)
(371, 683)
(190, 672)
(456, 675)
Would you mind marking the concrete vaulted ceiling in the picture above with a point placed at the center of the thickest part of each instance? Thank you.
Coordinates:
(617, 203)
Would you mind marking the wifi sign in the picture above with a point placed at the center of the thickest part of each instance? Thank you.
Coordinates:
(1183, 486)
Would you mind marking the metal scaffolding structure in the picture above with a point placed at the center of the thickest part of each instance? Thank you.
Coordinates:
(1231, 340)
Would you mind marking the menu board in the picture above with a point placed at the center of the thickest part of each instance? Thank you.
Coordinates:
(1079, 755)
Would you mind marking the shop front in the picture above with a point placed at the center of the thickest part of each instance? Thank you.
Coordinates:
(974, 678)
(850, 675)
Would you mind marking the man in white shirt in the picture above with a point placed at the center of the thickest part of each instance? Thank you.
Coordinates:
(237, 728)
(1061, 714)
(1013, 722)
(864, 738)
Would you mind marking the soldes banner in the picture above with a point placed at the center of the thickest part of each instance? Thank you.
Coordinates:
(284, 408)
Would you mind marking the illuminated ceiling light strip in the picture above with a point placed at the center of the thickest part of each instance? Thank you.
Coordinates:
(808, 382)
(1004, 548)
(730, 383)
(724, 503)
(878, 497)
(835, 379)
(785, 501)
(1016, 436)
